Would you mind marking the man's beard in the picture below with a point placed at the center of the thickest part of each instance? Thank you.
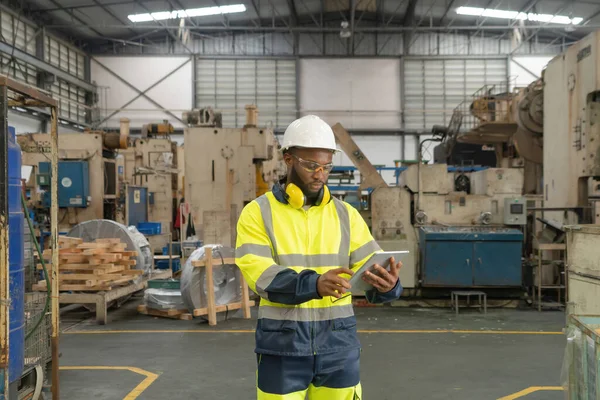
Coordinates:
(311, 196)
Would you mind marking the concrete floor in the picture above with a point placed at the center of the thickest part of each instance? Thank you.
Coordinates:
(211, 363)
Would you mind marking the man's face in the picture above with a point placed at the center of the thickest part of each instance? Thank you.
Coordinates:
(308, 168)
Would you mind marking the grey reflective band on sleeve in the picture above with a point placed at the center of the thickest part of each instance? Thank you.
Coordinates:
(265, 210)
(310, 260)
(266, 278)
(259, 250)
(305, 314)
(344, 249)
(363, 251)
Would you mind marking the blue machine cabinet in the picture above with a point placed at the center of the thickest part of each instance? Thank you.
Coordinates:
(137, 205)
(470, 256)
(73, 183)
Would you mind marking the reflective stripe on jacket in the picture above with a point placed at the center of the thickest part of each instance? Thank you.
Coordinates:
(281, 252)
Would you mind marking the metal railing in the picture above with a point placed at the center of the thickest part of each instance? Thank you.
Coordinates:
(490, 104)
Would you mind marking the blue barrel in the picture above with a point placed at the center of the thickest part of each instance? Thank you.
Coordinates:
(17, 269)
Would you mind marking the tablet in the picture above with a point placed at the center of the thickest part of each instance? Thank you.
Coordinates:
(382, 258)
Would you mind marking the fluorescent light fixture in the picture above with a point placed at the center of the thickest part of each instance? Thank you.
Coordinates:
(505, 14)
(192, 12)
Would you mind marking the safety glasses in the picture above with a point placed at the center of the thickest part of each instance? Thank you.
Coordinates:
(313, 167)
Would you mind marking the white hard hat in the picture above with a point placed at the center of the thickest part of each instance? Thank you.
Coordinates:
(309, 131)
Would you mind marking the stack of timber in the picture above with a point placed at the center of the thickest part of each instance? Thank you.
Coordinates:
(101, 265)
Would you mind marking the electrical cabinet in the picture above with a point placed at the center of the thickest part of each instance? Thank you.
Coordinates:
(73, 183)
(470, 256)
(137, 205)
(515, 211)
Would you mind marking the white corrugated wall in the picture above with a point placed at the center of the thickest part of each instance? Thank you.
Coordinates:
(229, 85)
(434, 87)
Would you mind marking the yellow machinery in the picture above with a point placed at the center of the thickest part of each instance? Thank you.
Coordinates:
(158, 129)
(226, 168)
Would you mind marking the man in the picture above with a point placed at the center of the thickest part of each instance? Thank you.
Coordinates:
(296, 247)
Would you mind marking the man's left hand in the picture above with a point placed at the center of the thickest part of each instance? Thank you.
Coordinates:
(381, 279)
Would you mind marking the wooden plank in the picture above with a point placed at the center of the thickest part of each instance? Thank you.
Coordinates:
(245, 298)
(129, 254)
(48, 252)
(212, 314)
(72, 267)
(68, 239)
(41, 287)
(110, 270)
(126, 262)
(225, 307)
(108, 240)
(104, 258)
(132, 272)
(217, 261)
(172, 313)
(91, 252)
(94, 246)
(84, 288)
(118, 247)
(71, 258)
(85, 277)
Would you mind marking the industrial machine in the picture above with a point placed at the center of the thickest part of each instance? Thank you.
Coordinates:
(451, 219)
(497, 127)
(158, 129)
(152, 163)
(88, 185)
(571, 134)
(224, 170)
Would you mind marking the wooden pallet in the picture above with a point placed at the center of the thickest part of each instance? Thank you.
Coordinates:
(172, 313)
(103, 298)
(102, 265)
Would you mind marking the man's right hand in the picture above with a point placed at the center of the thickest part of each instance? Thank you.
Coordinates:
(331, 284)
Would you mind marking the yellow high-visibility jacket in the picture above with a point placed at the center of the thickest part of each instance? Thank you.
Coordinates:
(281, 251)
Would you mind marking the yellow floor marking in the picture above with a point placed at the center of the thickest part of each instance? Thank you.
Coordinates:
(455, 331)
(530, 390)
(150, 377)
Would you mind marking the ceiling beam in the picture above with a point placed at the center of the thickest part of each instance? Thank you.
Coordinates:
(82, 6)
(591, 17)
(112, 14)
(557, 11)
(177, 39)
(293, 13)
(257, 12)
(75, 17)
(409, 21)
(450, 4)
(326, 29)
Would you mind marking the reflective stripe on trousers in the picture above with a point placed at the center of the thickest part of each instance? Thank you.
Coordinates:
(328, 377)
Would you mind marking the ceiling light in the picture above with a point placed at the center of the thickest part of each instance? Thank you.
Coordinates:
(505, 14)
(192, 12)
